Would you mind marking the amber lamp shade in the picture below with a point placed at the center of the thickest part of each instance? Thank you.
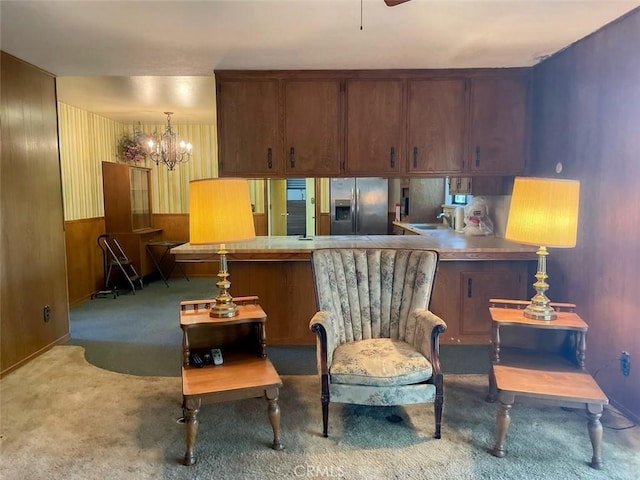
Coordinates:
(543, 212)
(219, 213)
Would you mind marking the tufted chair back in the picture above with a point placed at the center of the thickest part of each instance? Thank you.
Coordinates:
(372, 292)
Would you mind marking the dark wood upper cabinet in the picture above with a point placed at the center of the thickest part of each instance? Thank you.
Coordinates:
(249, 141)
(313, 126)
(498, 125)
(375, 126)
(436, 121)
(365, 123)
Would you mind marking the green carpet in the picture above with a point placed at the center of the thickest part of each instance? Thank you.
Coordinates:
(63, 418)
(139, 334)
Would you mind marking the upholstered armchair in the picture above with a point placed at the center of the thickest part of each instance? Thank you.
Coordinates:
(377, 341)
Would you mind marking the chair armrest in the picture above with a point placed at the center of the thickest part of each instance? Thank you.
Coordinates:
(324, 325)
(426, 339)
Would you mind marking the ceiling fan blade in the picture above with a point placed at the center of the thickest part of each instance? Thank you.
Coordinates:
(393, 3)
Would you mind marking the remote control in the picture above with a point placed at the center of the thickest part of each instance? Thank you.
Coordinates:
(197, 360)
(217, 356)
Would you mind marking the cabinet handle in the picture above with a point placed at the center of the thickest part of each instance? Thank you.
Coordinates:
(393, 157)
(469, 288)
(415, 157)
(469, 186)
(269, 158)
(477, 155)
(292, 157)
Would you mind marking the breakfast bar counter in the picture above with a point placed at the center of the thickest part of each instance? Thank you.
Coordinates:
(278, 270)
(450, 246)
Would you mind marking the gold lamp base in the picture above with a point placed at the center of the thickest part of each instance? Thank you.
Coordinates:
(539, 308)
(540, 312)
(223, 309)
(223, 306)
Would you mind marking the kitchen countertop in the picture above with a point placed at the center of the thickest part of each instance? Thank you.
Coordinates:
(450, 245)
(410, 226)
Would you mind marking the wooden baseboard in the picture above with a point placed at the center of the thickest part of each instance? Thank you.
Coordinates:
(26, 360)
(627, 413)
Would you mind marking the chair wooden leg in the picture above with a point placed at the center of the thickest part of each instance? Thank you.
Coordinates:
(324, 399)
(325, 417)
(437, 406)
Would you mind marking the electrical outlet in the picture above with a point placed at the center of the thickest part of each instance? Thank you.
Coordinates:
(46, 313)
(625, 363)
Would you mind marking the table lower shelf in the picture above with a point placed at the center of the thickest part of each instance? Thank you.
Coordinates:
(238, 373)
(567, 386)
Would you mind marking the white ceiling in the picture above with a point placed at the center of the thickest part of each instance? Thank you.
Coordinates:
(132, 60)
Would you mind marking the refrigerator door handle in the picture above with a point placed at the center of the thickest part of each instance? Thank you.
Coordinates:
(353, 211)
(357, 215)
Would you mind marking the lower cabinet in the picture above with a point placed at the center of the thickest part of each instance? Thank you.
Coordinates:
(462, 291)
(461, 295)
(286, 293)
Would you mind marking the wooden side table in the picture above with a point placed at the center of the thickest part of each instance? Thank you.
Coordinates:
(558, 377)
(508, 314)
(245, 373)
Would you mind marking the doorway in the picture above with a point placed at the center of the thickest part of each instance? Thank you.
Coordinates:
(291, 206)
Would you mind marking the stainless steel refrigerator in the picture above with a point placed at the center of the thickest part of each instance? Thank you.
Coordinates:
(359, 206)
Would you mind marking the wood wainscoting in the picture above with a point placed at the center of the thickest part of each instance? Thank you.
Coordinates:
(175, 226)
(323, 224)
(85, 274)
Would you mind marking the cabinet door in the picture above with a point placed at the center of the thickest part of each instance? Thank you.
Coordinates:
(248, 141)
(460, 185)
(477, 288)
(375, 127)
(497, 139)
(127, 197)
(437, 110)
(312, 127)
(116, 187)
(140, 198)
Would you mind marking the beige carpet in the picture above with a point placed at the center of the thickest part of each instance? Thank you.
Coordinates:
(62, 418)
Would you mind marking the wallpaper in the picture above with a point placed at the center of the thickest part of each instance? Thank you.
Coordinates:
(87, 139)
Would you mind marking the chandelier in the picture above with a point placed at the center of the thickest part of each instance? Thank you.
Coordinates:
(168, 148)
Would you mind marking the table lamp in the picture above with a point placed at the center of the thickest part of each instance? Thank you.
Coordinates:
(543, 212)
(220, 212)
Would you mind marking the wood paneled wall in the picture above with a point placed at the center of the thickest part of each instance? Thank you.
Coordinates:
(84, 257)
(32, 261)
(587, 116)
